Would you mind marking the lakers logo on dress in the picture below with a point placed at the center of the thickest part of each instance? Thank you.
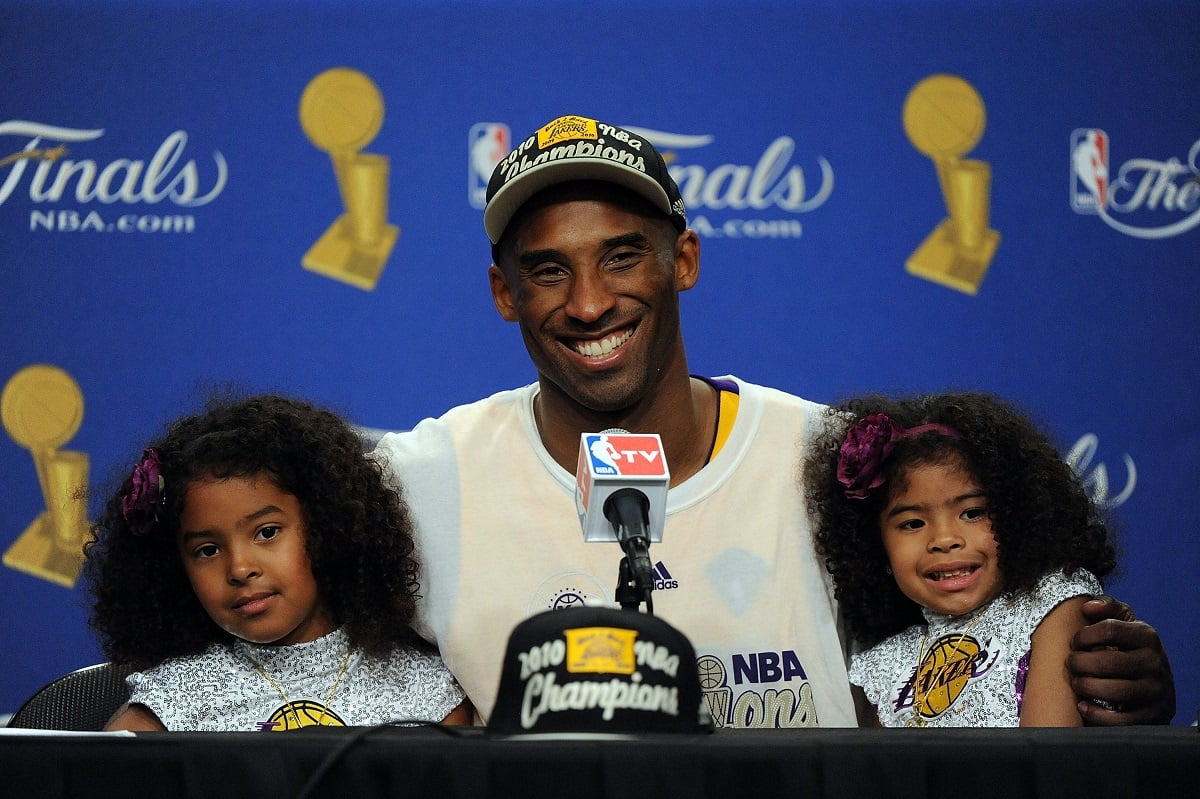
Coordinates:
(303, 713)
(943, 673)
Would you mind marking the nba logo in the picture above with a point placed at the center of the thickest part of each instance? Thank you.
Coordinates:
(1089, 170)
(487, 144)
(612, 461)
(637, 455)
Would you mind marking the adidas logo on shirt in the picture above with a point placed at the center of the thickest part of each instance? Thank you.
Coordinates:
(663, 581)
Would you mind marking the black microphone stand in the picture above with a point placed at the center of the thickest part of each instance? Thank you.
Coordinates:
(635, 582)
(628, 511)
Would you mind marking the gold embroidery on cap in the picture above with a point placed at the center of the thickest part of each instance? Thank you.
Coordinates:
(566, 129)
(601, 650)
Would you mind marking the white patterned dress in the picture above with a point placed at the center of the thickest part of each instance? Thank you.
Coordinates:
(223, 690)
(973, 666)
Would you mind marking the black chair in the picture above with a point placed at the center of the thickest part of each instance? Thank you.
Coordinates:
(83, 700)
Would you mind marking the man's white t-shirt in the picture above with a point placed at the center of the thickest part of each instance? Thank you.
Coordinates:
(499, 539)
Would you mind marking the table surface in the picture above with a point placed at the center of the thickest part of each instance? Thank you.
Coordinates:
(365, 762)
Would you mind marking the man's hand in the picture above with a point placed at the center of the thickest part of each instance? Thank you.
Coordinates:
(1119, 669)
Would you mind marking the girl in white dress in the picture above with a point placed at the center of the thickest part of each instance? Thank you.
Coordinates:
(258, 569)
(962, 548)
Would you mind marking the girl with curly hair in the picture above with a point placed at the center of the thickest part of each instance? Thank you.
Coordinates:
(961, 547)
(257, 567)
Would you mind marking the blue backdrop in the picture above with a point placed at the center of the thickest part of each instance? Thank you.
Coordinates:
(161, 190)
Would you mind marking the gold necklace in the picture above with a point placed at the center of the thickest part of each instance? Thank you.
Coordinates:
(921, 697)
(287, 702)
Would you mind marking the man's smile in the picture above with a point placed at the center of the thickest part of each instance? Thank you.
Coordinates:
(598, 348)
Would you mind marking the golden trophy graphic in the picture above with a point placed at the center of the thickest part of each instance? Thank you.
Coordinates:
(42, 408)
(944, 118)
(341, 111)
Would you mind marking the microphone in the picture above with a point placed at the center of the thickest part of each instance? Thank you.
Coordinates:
(628, 510)
(621, 495)
(612, 460)
(604, 670)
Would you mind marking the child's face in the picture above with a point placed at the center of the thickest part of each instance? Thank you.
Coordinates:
(243, 547)
(939, 540)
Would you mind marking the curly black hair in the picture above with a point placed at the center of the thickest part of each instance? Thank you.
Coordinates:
(1041, 517)
(359, 532)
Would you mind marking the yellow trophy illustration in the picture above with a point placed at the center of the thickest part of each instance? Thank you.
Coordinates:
(341, 111)
(42, 408)
(944, 118)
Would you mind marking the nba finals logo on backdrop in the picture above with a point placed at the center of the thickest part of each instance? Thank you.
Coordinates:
(341, 111)
(1089, 170)
(487, 144)
(75, 195)
(42, 408)
(944, 118)
(1142, 189)
(725, 200)
(1095, 479)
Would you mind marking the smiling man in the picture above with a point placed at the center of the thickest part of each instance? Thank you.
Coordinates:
(590, 251)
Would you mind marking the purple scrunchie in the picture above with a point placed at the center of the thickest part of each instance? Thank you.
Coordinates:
(867, 445)
(140, 504)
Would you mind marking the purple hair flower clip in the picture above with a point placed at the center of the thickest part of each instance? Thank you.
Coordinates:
(147, 492)
(866, 447)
